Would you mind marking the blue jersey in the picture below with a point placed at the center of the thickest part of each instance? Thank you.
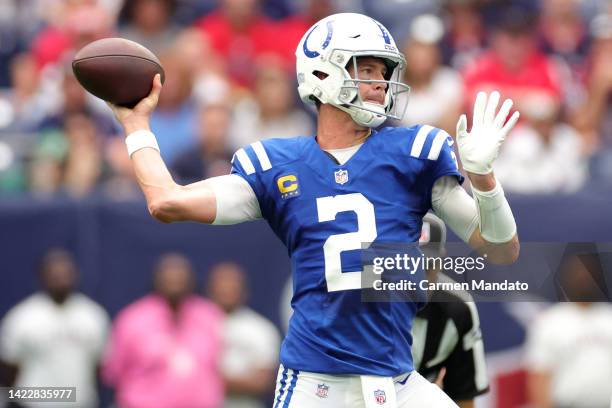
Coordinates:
(323, 212)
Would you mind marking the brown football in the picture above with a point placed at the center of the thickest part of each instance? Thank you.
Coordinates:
(117, 70)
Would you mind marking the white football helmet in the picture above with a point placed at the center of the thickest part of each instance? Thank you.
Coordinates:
(333, 43)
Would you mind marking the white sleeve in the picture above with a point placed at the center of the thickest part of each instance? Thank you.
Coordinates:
(236, 200)
(266, 343)
(11, 339)
(99, 335)
(454, 206)
(540, 347)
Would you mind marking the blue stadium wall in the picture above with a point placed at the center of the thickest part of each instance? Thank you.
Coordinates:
(116, 245)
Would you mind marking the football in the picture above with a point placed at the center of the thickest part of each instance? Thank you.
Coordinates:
(117, 70)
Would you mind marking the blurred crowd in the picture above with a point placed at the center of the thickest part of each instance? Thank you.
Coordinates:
(230, 81)
(181, 345)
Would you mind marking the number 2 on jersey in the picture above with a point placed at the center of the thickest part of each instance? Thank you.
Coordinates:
(328, 208)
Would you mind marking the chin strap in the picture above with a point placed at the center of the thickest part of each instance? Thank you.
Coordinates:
(363, 117)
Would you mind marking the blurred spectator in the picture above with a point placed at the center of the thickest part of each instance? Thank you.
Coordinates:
(174, 120)
(465, 37)
(20, 21)
(563, 31)
(272, 111)
(594, 116)
(211, 157)
(45, 166)
(164, 348)
(77, 24)
(564, 36)
(70, 161)
(83, 164)
(55, 338)
(569, 348)
(210, 84)
(542, 155)
(74, 100)
(24, 104)
(436, 91)
(250, 358)
(22, 107)
(239, 33)
(148, 22)
(513, 66)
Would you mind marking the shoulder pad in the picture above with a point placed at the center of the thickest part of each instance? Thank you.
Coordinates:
(265, 154)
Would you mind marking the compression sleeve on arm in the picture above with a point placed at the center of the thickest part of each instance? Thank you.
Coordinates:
(489, 210)
(497, 223)
(236, 200)
(454, 206)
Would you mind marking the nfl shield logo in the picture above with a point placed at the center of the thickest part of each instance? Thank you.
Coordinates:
(322, 390)
(380, 397)
(341, 176)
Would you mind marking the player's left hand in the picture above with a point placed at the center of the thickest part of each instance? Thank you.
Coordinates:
(480, 147)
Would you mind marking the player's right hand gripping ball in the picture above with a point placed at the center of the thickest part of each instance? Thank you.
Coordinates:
(479, 148)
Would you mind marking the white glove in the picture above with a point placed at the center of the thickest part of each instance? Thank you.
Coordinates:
(480, 147)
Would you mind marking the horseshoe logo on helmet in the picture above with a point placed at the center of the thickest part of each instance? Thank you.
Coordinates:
(330, 32)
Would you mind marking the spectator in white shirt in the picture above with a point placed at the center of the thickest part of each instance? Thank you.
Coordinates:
(250, 358)
(569, 347)
(54, 338)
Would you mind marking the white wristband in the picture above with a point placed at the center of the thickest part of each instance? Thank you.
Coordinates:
(139, 140)
(497, 223)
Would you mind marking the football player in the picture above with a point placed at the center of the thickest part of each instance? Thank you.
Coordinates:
(324, 196)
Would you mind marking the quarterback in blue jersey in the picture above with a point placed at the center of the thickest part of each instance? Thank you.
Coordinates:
(325, 196)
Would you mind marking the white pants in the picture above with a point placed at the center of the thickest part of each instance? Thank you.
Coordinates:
(300, 389)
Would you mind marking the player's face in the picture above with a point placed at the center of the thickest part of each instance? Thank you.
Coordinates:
(370, 68)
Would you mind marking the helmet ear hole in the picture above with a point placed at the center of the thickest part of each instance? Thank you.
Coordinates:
(319, 74)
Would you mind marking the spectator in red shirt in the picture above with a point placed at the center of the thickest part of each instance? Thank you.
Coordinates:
(80, 26)
(240, 33)
(513, 65)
